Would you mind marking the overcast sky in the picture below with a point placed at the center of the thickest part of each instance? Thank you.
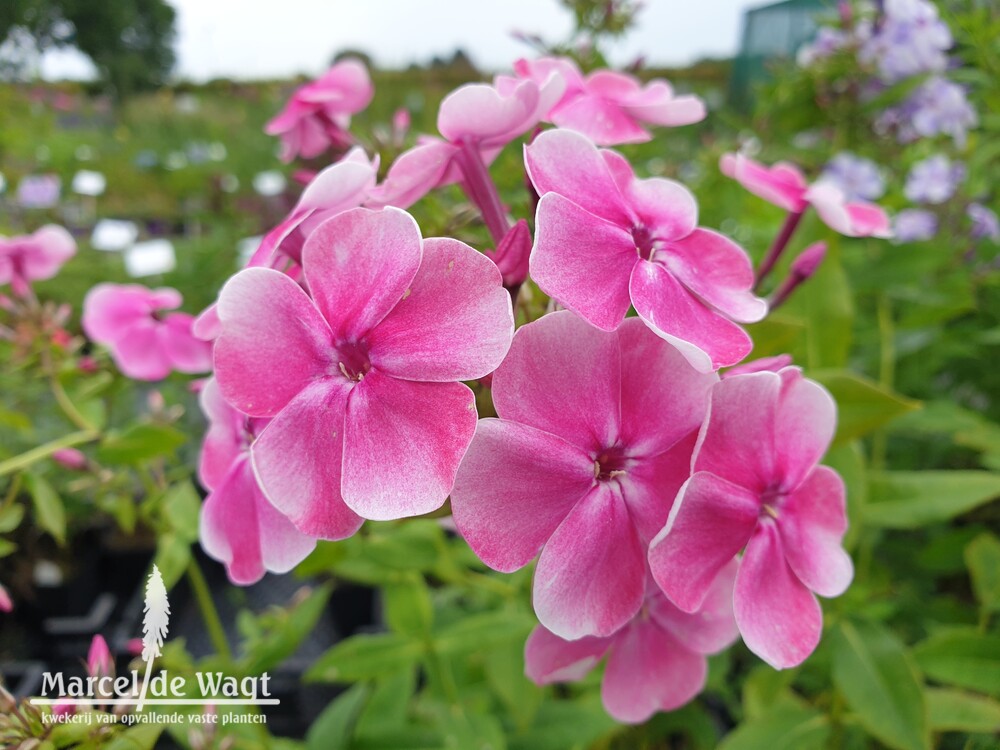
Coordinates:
(277, 38)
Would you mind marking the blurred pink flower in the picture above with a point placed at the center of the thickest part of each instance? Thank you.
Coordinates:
(6, 603)
(608, 107)
(605, 240)
(656, 662)
(239, 527)
(361, 378)
(34, 257)
(319, 113)
(70, 458)
(145, 343)
(100, 662)
(593, 441)
(756, 484)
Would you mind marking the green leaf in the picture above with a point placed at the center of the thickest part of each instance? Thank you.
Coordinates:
(479, 633)
(182, 506)
(333, 728)
(874, 672)
(910, 499)
(784, 728)
(963, 657)
(862, 404)
(504, 666)
(765, 689)
(408, 608)
(388, 707)
(849, 461)
(473, 732)
(362, 657)
(827, 302)
(10, 517)
(286, 632)
(172, 557)
(139, 443)
(566, 725)
(982, 556)
(141, 737)
(49, 511)
(956, 711)
(7, 547)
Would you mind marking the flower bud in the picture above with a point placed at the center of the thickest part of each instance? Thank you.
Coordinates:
(70, 458)
(99, 659)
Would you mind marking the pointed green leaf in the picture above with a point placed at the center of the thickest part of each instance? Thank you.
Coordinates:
(363, 657)
(910, 499)
(957, 711)
(333, 728)
(49, 511)
(862, 404)
(982, 555)
(962, 657)
(785, 728)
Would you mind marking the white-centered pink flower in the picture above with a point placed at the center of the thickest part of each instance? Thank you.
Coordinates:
(145, 342)
(605, 240)
(756, 485)
(319, 113)
(361, 375)
(34, 257)
(608, 107)
(785, 186)
(239, 527)
(593, 441)
(656, 662)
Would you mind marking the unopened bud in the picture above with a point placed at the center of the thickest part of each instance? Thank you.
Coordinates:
(70, 458)
(803, 268)
(99, 659)
(6, 603)
(511, 255)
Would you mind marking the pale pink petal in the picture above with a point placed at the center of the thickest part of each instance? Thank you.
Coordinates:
(454, 322)
(564, 162)
(782, 184)
(404, 443)
(414, 174)
(602, 121)
(869, 220)
(139, 353)
(657, 105)
(764, 364)
(347, 83)
(186, 353)
(849, 219)
(207, 326)
(548, 658)
(273, 342)
(711, 521)
(109, 309)
(358, 265)
(298, 459)
(651, 483)
(718, 271)
(804, 425)
(712, 627)
(590, 578)
(224, 439)
(53, 246)
(515, 486)
(664, 207)
(812, 521)
(779, 618)
(582, 261)
(707, 339)
(649, 671)
(479, 113)
(562, 376)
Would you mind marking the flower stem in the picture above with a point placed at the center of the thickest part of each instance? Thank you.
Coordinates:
(482, 191)
(778, 246)
(887, 372)
(24, 460)
(209, 613)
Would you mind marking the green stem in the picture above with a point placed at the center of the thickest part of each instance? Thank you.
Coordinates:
(24, 460)
(62, 398)
(209, 613)
(887, 372)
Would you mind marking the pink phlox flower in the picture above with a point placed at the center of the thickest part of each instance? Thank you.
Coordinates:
(34, 257)
(605, 240)
(100, 662)
(593, 440)
(361, 375)
(319, 113)
(756, 486)
(656, 662)
(608, 107)
(145, 342)
(239, 527)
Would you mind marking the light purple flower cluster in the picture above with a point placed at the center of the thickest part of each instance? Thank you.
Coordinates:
(934, 180)
(911, 41)
(985, 224)
(914, 225)
(858, 178)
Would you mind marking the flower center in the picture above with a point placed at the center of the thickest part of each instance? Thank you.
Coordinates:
(610, 464)
(645, 242)
(352, 360)
(771, 500)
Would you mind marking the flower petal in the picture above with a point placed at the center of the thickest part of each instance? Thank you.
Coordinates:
(223, 441)
(109, 309)
(548, 658)
(138, 352)
(651, 484)
(479, 113)
(812, 524)
(590, 578)
(515, 486)
(455, 322)
(707, 339)
(804, 426)
(186, 353)
(665, 207)
(404, 442)
(711, 521)
(358, 265)
(712, 627)
(414, 174)
(582, 261)
(562, 376)
(273, 341)
(779, 618)
(298, 459)
(604, 122)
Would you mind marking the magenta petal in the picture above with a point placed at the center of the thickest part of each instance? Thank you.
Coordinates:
(666, 208)
(849, 219)
(604, 122)
(649, 671)
(273, 341)
(404, 442)
(54, 246)
(298, 459)
(515, 486)
(139, 353)
(358, 265)
(548, 658)
(707, 339)
(109, 309)
(804, 425)
(738, 438)
(664, 108)
(582, 261)
(455, 322)
(779, 618)
(224, 440)
(651, 484)
(564, 162)
(718, 271)
(479, 113)
(562, 376)
(186, 353)
(590, 578)
(812, 522)
(710, 629)
(711, 521)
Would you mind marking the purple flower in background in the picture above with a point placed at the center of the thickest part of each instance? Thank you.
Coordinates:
(912, 41)
(828, 41)
(933, 180)
(857, 178)
(984, 222)
(938, 107)
(914, 225)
